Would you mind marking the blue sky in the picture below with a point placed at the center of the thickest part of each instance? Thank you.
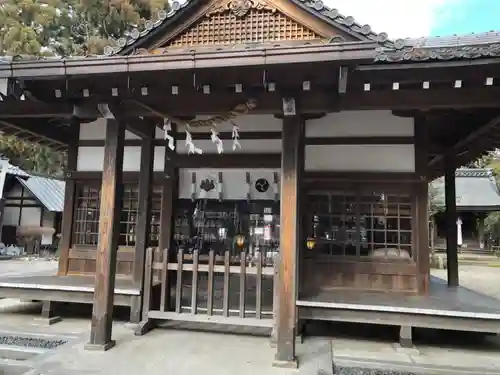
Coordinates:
(466, 16)
(414, 18)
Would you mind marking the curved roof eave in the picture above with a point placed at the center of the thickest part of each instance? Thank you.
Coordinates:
(137, 38)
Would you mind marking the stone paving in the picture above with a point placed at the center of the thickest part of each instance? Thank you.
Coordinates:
(481, 279)
(20, 267)
(188, 352)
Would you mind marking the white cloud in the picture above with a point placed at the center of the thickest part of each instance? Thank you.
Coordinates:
(398, 18)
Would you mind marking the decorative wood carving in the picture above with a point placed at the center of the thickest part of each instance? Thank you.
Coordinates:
(239, 8)
(230, 22)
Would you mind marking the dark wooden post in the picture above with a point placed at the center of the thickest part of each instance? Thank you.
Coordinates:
(292, 162)
(107, 248)
(421, 215)
(69, 199)
(143, 224)
(168, 197)
(451, 219)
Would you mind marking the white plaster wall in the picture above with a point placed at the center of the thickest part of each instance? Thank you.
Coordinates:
(248, 146)
(11, 216)
(91, 159)
(360, 158)
(31, 216)
(16, 192)
(234, 184)
(97, 130)
(360, 124)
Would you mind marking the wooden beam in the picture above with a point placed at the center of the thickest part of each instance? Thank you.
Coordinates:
(229, 160)
(140, 127)
(451, 219)
(323, 99)
(107, 248)
(343, 76)
(292, 164)
(69, 200)
(143, 224)
(36, 130)
(463, 143)
(376, 140)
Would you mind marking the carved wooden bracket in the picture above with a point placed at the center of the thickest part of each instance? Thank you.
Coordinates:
(239, 8)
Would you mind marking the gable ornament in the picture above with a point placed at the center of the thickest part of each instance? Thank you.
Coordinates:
(239, 8)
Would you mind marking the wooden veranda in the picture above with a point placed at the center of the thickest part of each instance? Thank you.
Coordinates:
(323, 209)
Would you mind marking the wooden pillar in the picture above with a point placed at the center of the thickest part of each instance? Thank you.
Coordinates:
(451, 220)
(480, 230)
(143, 224)
(107, 248)
(69, 199)
(168, 198)
(292, 161)
(421, 252)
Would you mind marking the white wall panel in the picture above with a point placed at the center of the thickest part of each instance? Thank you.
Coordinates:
(360, 158)
(91, 159)
(360, 124)
(234, 184)
(248, 146)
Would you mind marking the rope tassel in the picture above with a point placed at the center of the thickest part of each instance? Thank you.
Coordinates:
(218, 142)
(236, 138)
(192, 149)
(167, 126)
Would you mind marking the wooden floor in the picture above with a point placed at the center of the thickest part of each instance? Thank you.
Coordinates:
(448, 308)
(65, 283)
(78, 289)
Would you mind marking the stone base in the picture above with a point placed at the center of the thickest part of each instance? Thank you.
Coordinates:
(409, 350)
(100, 347)
(144, 327)
(48, 321)
(286, 364)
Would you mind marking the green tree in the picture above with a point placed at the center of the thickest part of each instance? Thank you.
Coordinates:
(30, 27)
(63, 28)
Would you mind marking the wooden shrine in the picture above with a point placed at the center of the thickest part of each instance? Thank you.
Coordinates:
(259, 163)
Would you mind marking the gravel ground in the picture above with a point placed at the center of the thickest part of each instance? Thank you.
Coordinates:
(30, 342)
(481, 279)
(366, 371)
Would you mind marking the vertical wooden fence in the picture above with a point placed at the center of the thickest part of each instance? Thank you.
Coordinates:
(229, 288)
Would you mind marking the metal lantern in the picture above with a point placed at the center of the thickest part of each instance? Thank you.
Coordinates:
(311, 243)
(240, 240)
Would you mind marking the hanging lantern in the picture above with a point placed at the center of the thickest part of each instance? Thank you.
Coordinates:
(239, 240)
(311, 243)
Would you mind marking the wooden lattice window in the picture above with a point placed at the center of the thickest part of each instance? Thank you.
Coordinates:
(353, 223)
(86, 223)
(207, 225)
(257, 26)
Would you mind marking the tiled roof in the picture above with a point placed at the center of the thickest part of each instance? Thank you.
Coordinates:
(317, 7)
(476, 189)
(48, 191)
(454, 40)
(453, 47)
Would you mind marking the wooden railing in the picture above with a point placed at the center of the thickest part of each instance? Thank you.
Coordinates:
(196, 287)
